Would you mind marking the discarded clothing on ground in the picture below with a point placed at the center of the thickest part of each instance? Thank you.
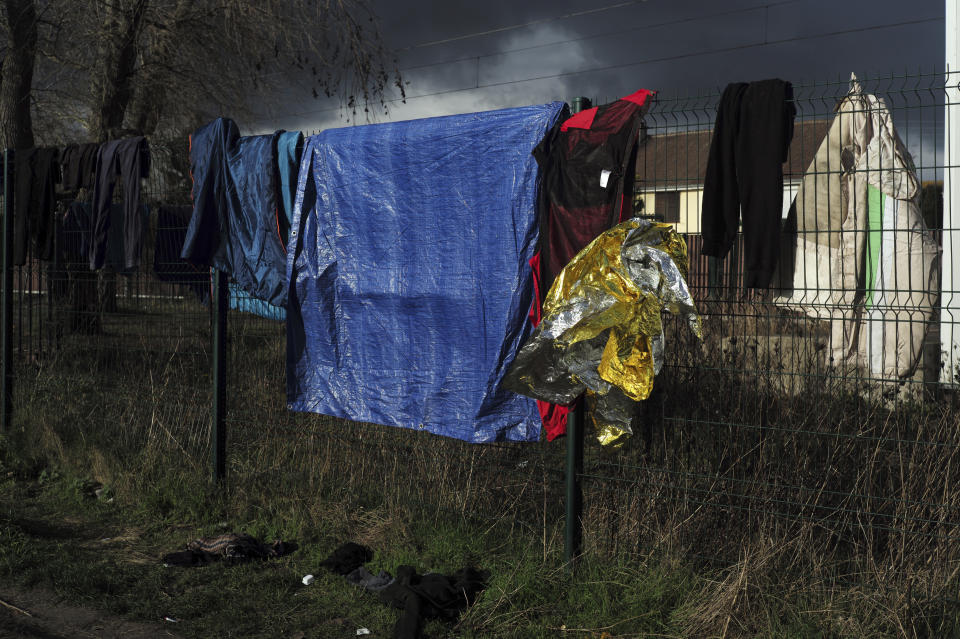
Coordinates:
(229, 547)
(37, 172)
(409, 277)
(587, 162)
(347, 558)
(130, 159)
(236, 225)
(431, 596)
(856, 250)
(368, 581)
(420, 597)
(744, 175)
(602, 331)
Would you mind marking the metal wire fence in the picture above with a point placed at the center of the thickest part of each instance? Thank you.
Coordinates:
(810, 417)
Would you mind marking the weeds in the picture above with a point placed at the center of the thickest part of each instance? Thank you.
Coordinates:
(760, 496)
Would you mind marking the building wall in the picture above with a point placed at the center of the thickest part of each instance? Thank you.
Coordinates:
(691, 200)
(690, 203)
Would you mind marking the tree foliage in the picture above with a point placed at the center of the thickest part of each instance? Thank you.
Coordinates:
(110, 67)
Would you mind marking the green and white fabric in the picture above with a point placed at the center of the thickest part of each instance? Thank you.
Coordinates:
(863, 257)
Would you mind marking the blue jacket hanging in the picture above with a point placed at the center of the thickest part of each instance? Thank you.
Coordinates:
(236, 224)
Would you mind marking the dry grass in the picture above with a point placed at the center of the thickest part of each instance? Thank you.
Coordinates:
(803, 500)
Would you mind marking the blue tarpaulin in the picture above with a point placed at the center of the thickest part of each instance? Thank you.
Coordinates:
(237, 225)
(409, 276)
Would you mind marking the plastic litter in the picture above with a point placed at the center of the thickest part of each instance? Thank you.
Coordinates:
(362, 631)
(602, 330)
(307, 580)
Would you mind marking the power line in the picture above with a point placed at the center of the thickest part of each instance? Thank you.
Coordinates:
(595, 36)
(513, 27)
(626, 65)
(606, 34)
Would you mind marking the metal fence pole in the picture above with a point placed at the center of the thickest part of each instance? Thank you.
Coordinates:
(7, 310)
(221, 296)
(573, 537)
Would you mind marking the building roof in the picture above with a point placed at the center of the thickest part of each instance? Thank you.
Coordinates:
(678, 160)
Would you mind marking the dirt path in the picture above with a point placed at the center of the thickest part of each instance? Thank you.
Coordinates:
(41, 615)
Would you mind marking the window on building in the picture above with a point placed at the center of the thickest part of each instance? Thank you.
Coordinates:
(668, 206)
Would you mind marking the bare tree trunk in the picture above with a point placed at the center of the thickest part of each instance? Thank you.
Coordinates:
(16, 125)
(151, 91)
(111, 81)
(117, 57)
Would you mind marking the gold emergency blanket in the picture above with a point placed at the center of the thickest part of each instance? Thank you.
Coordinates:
(601, 331)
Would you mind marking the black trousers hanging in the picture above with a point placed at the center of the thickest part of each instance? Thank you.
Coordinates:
(130, 158)
(37, 173)
(79, 163)
(744, 175)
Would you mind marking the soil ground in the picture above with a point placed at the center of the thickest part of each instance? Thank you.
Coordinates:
(37, 614)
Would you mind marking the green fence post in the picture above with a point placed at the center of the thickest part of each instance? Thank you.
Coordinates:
(221, 296)
(7, 310)
(573, 537)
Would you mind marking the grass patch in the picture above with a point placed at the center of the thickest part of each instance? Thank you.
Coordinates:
(738, 509)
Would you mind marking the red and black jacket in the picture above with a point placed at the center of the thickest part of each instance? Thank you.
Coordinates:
(586, 163)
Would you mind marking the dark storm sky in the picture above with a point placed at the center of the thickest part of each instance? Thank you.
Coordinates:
(537, 51)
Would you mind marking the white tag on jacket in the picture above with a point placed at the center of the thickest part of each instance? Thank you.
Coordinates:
(604, 178)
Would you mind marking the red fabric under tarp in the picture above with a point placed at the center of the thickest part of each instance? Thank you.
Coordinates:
(553, 416)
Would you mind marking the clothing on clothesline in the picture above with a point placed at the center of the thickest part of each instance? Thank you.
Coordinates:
(289, 150)
(237, 226)
(553, 416)
(37, 172)
(409, 278)
(856, 251)
(130, 159)
(76, 230)
(744, 175)
(79, 164)
(241, 301)
(587, 167)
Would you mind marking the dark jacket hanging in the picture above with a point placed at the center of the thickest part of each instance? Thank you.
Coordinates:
(744, 175)
(236, 224)
(587, 178)
(79, 162)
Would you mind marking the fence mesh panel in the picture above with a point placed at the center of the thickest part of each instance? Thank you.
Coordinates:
(754, 435)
